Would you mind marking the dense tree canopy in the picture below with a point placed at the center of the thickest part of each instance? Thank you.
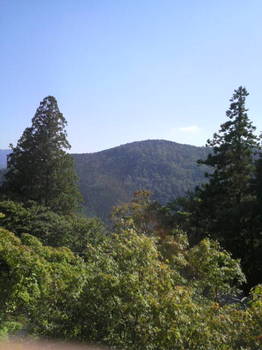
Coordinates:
(124, 293)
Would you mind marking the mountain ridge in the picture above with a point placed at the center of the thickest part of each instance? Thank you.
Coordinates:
(140, 142)
(166, 168)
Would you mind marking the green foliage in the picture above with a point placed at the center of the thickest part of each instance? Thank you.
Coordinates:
(138, 213)
(36, 282)
(206, 267)
(125, 294)
(38, 168)
(72, 231)
(213, 270)
(135, 300)
(125, 277)
(8, 327)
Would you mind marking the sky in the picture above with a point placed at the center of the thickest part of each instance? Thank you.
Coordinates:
(129, 70)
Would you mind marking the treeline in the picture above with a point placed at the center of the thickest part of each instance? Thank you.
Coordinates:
(157, 279)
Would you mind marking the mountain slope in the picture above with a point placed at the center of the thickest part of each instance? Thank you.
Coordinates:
(110, 177)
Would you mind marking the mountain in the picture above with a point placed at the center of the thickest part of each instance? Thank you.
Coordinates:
(108, 178)
(3, 155)
(167, 169)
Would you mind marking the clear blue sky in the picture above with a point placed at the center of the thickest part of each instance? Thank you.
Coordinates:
(127, 70)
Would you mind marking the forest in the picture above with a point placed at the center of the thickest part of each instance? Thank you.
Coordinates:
(160, 276)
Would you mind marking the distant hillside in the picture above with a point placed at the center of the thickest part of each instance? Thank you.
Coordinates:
(3, 154)
(110, 177)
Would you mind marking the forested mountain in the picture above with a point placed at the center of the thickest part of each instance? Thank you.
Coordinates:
(110, 177)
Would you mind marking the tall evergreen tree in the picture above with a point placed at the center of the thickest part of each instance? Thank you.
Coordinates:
(227, 199)
(39, 168)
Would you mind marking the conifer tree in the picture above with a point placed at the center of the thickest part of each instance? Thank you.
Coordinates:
(227, 199)
(233, 148)
(39, 168)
